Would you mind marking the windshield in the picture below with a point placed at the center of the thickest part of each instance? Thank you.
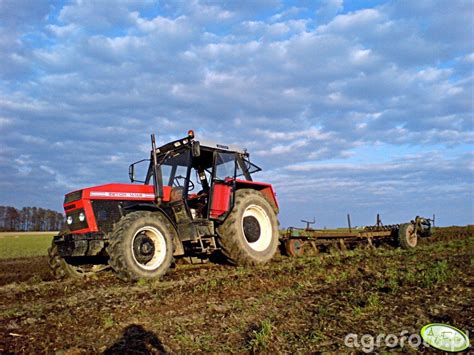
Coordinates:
(250, 167)
(174, 169)
(182, 169)
(225, 166)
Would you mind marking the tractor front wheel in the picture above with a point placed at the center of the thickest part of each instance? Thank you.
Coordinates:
(141, 246)
(249, 235)
(60, 268)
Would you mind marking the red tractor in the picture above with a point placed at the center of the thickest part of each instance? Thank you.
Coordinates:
(196, 200)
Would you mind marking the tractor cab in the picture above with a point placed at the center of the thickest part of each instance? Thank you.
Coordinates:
(196, 181)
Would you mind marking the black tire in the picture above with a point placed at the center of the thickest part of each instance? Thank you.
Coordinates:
(59, 267)
(407, 238)
(141, 246)
(259, 242)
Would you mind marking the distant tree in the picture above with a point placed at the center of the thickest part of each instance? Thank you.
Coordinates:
(3, 215)
(49, 219)
(25, 218)
(13, 219)
(30, 219)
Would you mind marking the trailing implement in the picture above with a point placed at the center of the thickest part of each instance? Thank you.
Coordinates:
(196, 200)
(298, 241)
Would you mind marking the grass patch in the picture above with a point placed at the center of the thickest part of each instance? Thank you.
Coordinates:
(260, 338)
(24, 244)
(438, 273)
(108, 322)
(373, 301)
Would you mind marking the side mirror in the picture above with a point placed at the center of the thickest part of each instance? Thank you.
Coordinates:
(131, 172)
(141, 167)
(196, 149)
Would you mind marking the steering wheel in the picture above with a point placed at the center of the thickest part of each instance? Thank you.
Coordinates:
(178, 184)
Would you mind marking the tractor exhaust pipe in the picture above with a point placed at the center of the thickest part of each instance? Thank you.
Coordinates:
(157, 177)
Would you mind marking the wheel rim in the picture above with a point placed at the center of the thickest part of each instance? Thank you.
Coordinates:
(148, 248)
(257, 228)
(411, 236)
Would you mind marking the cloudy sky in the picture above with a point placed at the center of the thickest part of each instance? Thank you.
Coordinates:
(358, 107)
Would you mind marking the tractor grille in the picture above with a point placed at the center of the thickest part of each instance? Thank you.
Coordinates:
(76, 222)
(107, 213)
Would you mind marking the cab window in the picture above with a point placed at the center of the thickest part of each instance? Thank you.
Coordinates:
(224, 166)
(175, 169)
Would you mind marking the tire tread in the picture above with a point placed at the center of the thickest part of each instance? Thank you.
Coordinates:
(228, 242)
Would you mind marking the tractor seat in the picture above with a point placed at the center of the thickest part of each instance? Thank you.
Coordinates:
(200, 194)
(176, 193)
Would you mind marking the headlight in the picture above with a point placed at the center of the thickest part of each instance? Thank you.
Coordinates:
(82, 217)
(69, 220)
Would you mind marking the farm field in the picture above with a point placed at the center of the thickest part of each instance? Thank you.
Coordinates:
(24, 244)
(23, 255)
(306, 304)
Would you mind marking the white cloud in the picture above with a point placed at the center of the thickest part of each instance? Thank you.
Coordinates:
(4, 121)
(30, 139)
(311, 133)
(287, 13)
(434, 74)
(296, 86)
(469, 58)
(356, 21)
(328, 9)
(23, 164)
(63, 31)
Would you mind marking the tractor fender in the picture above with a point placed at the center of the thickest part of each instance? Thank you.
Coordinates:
(266, 189)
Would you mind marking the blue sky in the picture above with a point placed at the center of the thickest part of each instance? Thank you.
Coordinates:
(358, 107)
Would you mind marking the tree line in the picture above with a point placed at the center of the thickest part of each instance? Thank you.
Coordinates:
(30, 219)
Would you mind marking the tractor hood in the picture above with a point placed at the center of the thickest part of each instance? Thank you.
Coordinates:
(112, 192)
(93, 208)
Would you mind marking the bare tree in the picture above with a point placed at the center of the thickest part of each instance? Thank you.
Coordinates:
(30, 219)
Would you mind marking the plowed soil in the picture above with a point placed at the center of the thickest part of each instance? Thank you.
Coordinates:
(307, 304)
(23, 269)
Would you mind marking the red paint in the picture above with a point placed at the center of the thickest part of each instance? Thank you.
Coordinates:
(220, 199)
(221, 195)
(90, 216)
(124, 188)
(264, 188)
(116, 190)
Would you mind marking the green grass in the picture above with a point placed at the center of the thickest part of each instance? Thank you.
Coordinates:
(260, 338)
(437, 273)
(24, 244)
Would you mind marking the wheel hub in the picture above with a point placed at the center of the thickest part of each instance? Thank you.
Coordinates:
(297, 246)
(251, 229)
(411, 236)
(143, 248)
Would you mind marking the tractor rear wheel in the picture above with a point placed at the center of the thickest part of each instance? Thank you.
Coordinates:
(407, 236)
(141, 246)
(60, 268)
(249, 235)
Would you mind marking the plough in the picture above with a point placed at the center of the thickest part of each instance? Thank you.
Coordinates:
(300, 241)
